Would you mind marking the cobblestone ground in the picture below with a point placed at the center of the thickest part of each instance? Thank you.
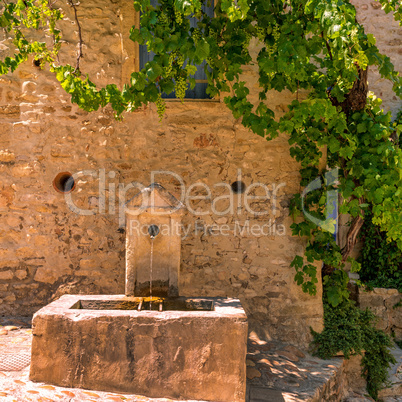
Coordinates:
(275, 372)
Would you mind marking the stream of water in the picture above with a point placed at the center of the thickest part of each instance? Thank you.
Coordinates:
(150, 273)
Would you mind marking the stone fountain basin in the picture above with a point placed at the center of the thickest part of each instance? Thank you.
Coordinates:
(147, 303)
(197, 353)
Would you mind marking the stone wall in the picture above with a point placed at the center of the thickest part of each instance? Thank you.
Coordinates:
(383, 304)
(47, 250)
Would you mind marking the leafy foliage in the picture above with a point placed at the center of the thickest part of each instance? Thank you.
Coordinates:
(370, 173)
(352, 331)
(381, 260)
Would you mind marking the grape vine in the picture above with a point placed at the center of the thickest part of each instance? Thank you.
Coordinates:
(180, 87)
(161, 106)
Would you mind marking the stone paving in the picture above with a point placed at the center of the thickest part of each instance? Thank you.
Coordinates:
(275, 372)
(278, 372)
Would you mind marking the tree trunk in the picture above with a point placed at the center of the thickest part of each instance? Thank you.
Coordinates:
(351, 237)
(351, 240)
(356, 99)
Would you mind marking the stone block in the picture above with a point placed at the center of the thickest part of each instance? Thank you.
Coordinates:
(46, 275)
(88, 264)
(371, 300)
(10, 111)
(6, 156)
(9, 263)
(263, 394)
(59, 151)
(10, 298)
(21, 274)
(197, 355)
(6, 275)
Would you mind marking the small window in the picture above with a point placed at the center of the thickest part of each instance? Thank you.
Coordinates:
(201, 81)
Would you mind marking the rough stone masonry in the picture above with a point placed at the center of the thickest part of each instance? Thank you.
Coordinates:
(47, 250)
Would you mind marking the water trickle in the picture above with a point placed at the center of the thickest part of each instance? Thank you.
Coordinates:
(150, 273)
(153, 231)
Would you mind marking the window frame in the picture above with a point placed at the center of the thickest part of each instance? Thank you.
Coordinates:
(215, 99)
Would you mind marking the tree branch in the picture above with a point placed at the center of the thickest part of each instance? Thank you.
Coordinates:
(80, 54)
(351, 237)
(327, 46)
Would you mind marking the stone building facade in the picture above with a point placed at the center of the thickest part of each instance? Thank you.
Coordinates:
(46, 249)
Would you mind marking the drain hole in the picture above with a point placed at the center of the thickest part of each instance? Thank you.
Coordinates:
(64, 182)
(238, 187)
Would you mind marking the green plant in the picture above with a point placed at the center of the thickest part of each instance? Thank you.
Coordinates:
(381, 260)
(352, 331)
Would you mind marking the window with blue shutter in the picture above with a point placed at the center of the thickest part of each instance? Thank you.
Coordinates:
(199, 91)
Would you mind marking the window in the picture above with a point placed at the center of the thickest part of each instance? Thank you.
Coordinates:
(199, 91)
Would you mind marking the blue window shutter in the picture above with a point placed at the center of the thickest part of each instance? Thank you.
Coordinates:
(199, 91)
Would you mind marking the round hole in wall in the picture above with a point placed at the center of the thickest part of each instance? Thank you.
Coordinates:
(37, 62)
(238, 187)
(64, 182)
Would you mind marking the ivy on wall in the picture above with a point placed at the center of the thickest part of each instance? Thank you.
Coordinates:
(381, 260)
(352, 331)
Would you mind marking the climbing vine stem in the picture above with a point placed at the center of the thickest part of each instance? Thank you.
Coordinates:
(80, 41)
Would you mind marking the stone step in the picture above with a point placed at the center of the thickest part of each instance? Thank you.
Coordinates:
(279, 372)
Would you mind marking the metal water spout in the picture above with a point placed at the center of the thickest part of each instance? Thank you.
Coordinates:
(153, 231)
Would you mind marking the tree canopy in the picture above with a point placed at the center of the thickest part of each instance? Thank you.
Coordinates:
(316, 46)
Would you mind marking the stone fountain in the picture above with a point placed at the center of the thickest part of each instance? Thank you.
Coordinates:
(149, 341)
